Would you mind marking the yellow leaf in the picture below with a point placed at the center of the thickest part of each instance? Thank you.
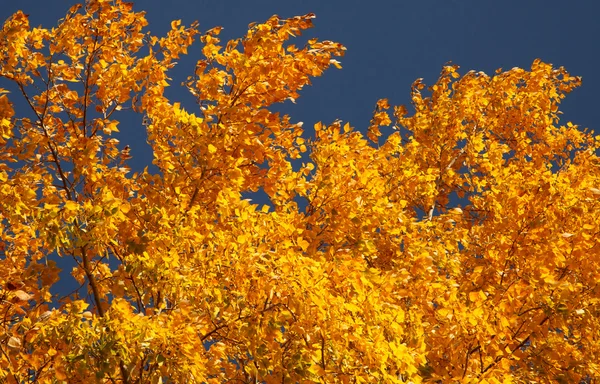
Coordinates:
(71, 205)
(14, 342)
(59, 373)
(595, 191)
(175, 24)
(23, 296)
(125, 207)
(337, 64)
(303, 243)
(352, 307)
(111, 127)
(444, 312)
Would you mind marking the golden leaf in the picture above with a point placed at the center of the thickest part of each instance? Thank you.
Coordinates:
(14, 342)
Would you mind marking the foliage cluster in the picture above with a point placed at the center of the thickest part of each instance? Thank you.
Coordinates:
(455, 243)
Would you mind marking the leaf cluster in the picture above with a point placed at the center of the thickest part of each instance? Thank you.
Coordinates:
(454, 244)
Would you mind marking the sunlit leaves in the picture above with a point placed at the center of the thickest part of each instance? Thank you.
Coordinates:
(457, 243)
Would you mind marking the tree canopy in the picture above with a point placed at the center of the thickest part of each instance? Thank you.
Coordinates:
(455, 242)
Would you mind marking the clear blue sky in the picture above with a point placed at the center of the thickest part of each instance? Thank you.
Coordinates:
(389, 44)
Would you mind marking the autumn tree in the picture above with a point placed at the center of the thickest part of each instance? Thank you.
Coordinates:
(457, 243)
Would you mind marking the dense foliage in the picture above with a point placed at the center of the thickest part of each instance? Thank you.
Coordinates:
(457, 242)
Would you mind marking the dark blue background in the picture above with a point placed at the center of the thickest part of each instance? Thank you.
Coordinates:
(389, 45)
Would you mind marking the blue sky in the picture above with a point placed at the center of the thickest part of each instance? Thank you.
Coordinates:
(389, 45)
